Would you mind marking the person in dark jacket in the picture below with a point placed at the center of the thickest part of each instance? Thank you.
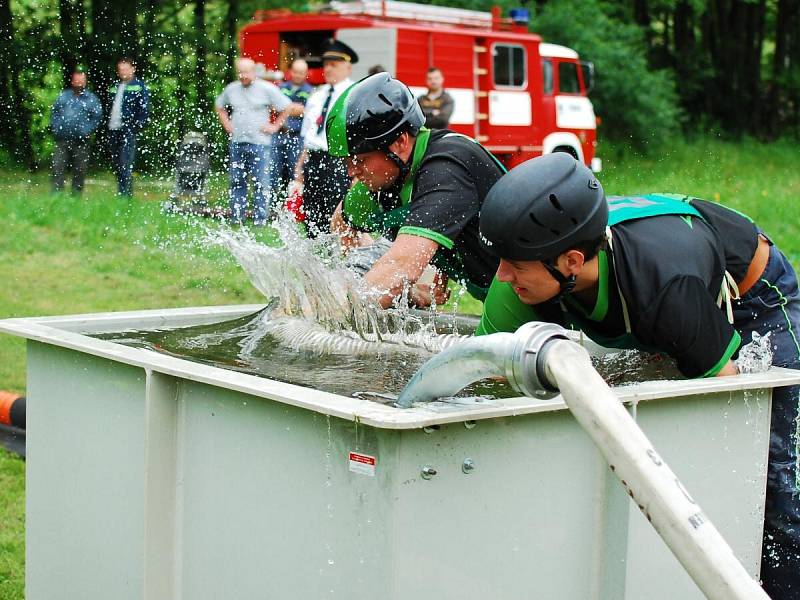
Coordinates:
(437, 105)
(130, 107)
(287, 143)
(75, 116)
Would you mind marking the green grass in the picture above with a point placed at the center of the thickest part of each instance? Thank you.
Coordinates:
(64, 255)
(761, 180)
(12, 527)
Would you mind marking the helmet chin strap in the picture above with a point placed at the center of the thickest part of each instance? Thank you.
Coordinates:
(405, 167)
(567, 282)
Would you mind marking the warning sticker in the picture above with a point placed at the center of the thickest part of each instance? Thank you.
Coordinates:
(363, 464)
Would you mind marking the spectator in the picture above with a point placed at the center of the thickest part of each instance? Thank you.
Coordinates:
(75, 116)
(287, 143)
(375, 69)
(437, 104)
(324, 177)
(130, 108)
(250, 101)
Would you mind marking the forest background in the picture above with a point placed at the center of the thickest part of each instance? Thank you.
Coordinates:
(664, 68)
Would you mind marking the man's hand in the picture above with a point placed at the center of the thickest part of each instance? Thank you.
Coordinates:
(225, 120)
(295, 109)
(430, 291)
(349, 237)
(402, 265)
(424, 295)
(728, 370)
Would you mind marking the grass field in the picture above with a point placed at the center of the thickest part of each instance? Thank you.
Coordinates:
(63, 255)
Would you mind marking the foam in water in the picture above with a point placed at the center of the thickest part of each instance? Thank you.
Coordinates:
(755, 357)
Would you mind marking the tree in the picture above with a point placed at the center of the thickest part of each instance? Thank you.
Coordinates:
(636, 104)
(15, 131)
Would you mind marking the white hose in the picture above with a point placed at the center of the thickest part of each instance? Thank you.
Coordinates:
(308, 336)
(677, 518)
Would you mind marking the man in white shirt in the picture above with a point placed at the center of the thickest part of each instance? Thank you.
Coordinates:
(324, 177)
(250, 102)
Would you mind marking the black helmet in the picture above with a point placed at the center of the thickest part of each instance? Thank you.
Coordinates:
(372, 114)
(542, 208)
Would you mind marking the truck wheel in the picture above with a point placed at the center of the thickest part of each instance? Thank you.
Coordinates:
(569, 150)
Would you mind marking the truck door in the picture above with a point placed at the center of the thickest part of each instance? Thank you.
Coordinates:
(510, 108)
(573, 108)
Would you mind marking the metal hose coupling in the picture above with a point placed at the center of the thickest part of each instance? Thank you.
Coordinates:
(519, 356)
(525, 366)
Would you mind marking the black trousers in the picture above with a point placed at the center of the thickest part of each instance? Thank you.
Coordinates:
(72, 154)
(325, 183)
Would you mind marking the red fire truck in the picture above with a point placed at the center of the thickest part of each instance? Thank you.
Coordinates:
(518, 96)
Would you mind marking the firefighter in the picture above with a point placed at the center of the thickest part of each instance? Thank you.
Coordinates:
(672, 274)
(420, 188)
(322, 178)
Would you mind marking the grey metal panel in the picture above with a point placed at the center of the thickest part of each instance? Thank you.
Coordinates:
(520, 525)
(270, 509)
(716, 445)
(374, 46)
(84, 501)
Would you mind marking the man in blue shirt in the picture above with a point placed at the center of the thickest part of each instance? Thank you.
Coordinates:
(287, 143)
(76, 114)
(130, 108)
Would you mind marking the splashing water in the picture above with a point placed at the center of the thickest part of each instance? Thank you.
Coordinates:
(319, 304)
(302, 276)
(755, 357)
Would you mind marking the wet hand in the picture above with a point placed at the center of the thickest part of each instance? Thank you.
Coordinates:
(425, 294)
(295, 110)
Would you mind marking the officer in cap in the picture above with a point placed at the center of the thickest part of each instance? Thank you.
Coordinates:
(657, 272)
(323, 178)
(421, 188)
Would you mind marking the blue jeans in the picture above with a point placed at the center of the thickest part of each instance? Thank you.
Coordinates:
(285, 152)
(773, 305)
(249, 160)
(123, 155)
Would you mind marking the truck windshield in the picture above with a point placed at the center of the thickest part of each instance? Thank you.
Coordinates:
(568, 78)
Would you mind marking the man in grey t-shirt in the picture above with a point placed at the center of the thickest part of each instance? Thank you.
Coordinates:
(250, 102)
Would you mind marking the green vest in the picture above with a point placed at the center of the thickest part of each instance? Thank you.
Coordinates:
(504, 311)
(364, 212)
(630, 208)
